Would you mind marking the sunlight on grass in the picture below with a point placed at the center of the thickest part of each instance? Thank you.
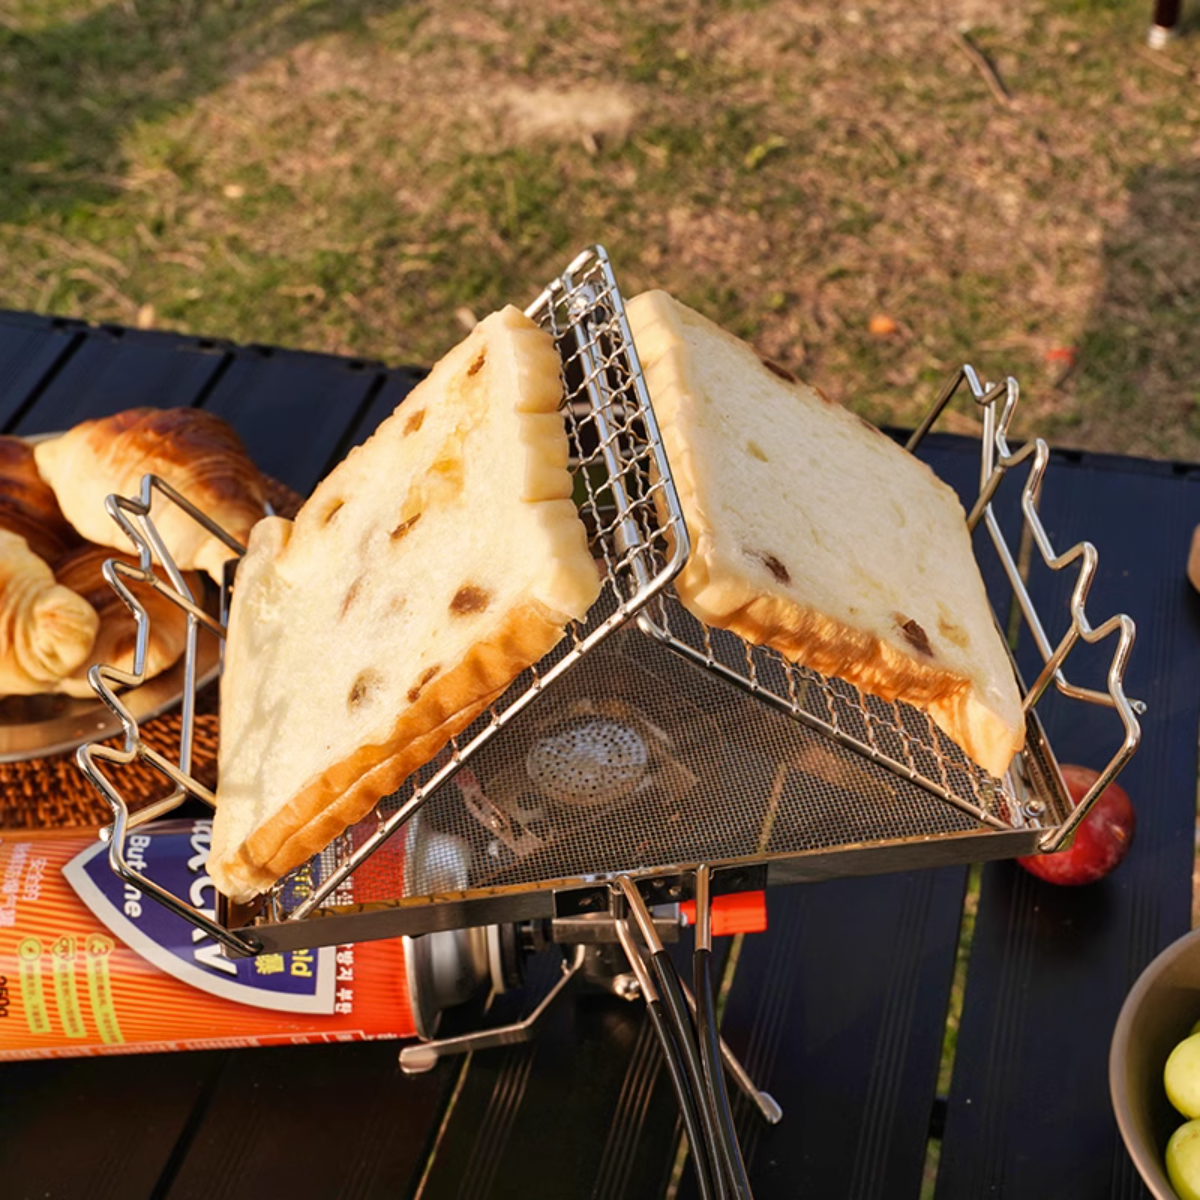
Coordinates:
(364, 176)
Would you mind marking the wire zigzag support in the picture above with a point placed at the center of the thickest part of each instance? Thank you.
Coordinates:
(998, 460)
(133, 516)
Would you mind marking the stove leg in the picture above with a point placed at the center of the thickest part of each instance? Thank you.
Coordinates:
(424, 1056)
(766, 1104)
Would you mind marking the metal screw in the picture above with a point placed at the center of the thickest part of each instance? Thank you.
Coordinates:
(627, 987)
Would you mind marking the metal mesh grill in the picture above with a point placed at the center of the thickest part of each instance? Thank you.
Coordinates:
(646, 741)
(654, 761)
(892, 734)
(656, 748)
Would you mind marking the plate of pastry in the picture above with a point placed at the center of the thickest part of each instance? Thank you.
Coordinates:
(58, 614)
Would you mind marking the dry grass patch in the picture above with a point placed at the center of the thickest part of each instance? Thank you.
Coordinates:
(869, 196)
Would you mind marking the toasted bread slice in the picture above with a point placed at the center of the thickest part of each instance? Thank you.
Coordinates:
(814, 533)
(431, 567)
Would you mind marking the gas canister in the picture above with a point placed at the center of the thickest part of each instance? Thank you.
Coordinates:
(89, 965)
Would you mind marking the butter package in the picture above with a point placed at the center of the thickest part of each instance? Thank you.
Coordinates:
(89, 965)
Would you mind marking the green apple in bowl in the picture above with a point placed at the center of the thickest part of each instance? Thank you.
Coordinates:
(1181, 1076)
(1183, 1160)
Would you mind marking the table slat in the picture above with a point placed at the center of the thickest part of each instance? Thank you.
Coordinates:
(1029, 1110)
(114, 369)
(838, 1013)
(584, 1109)
(30, 350)
(294, 410)
(312, 1121)
(97, 1127)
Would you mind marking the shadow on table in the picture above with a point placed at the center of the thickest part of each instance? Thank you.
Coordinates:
(70, 91)
(1136, 387)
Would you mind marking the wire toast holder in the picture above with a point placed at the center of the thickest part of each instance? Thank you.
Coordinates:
(647, 745)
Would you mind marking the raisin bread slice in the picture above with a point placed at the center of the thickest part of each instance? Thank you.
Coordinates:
(431, 567)
(814, 533)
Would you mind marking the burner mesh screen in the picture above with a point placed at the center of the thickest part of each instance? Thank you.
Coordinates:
(664, 762)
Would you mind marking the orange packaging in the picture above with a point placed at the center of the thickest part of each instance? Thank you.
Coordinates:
(88, 965)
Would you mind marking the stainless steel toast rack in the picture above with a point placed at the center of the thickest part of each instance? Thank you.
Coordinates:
(648, 745)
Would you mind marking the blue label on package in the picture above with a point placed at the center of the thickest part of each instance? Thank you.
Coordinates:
(173, 854)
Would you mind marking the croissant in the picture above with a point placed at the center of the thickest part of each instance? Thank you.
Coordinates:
(195, 451)
(46, 630)
(81, 570)
(27, 503)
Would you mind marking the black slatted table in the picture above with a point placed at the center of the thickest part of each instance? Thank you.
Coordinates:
(839, 1011)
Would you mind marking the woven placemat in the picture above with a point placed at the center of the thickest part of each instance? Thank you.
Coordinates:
(52, 792)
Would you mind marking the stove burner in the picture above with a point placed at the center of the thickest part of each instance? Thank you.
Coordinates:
(591, 761)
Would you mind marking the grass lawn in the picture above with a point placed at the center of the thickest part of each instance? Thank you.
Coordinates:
(874, 193)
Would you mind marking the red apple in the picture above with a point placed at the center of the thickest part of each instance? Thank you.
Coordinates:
(1101, 841)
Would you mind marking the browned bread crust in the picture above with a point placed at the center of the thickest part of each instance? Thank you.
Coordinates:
(347, 791)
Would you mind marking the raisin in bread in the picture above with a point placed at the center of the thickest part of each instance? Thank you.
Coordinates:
(431, 567)
(814, 533)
